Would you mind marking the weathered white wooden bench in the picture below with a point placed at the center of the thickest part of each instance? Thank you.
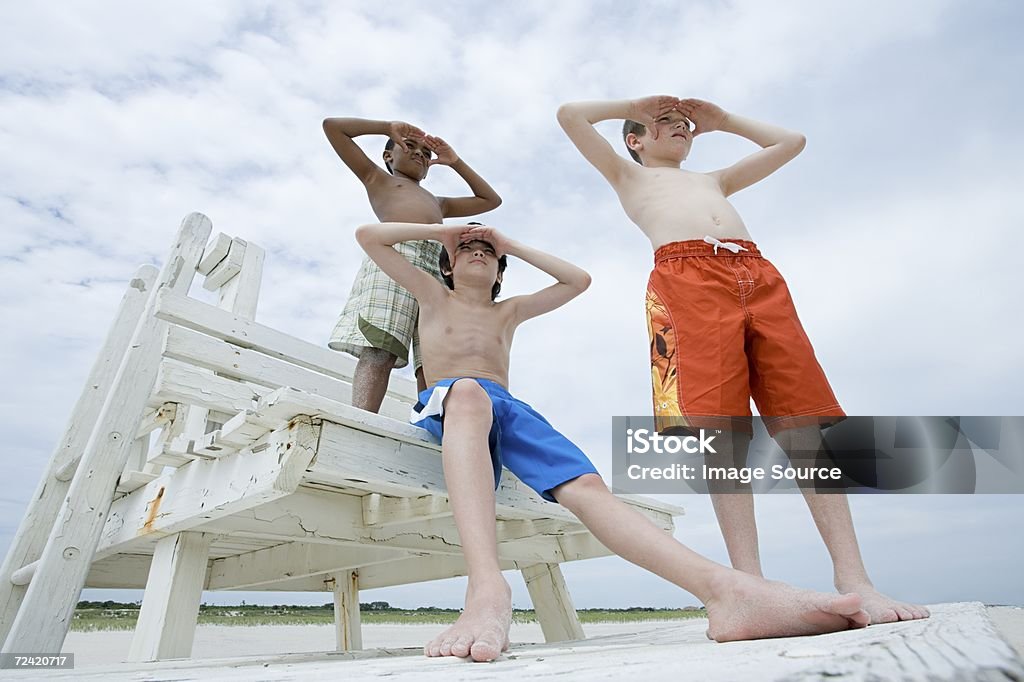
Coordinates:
(208, 451)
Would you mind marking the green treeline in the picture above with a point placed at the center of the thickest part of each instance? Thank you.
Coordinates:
(374, 606)
(111, 615)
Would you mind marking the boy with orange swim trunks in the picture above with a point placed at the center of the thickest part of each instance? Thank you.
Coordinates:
(722, 323)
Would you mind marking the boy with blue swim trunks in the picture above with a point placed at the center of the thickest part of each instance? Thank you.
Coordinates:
(466, 336)
(520, 439)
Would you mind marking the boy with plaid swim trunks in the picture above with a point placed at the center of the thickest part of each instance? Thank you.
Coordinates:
(467, 337)
(378, 323)
(721, 321)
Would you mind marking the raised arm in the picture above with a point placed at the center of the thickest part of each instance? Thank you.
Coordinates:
(779, 145)
(484, 197)
(572, 280)
(578, 118)
(378, 241)
(340, 132)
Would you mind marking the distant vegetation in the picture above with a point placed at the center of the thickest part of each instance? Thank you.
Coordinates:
(110, 615)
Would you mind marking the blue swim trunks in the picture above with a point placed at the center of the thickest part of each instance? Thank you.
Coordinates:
(520, 439)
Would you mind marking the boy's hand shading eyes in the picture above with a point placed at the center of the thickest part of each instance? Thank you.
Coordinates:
(646, 110)
(400, 131)
(490, 235)
(705, 115)
(450, 237)
(442, 150)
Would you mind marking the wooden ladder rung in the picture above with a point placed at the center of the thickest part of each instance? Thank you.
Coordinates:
(23, 576)
(133, 480)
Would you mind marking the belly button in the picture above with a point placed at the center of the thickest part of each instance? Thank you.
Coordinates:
(716, 219)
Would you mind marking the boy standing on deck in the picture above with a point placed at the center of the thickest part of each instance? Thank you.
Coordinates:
(467, 338)
(721, 321)
(378, 323)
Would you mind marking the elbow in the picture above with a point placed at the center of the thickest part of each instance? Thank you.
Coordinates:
(799, 141)
(573, 118)
(495, 202)
(585, 280)
(332, 126)
(566, 114)
(364, 234)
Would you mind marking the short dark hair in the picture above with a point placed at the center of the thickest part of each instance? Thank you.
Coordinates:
(444, 263)
(637, 129)
(388, 146)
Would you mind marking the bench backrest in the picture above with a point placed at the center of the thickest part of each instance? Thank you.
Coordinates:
(218, 362)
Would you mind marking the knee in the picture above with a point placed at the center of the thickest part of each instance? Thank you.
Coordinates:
(467, 397)
(587, 486)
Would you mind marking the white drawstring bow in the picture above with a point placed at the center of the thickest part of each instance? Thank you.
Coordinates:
(735, 248)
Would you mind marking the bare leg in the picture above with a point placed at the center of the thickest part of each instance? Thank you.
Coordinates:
(370, 382)
(740, 606)
(482, 629)
(831, 513)
(734, 505)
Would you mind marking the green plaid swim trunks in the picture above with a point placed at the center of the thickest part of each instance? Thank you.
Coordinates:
(381, 314)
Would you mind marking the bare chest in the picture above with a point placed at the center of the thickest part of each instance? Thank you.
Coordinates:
(669, 205)
(664, 186)
(467, 329)
(403, 201)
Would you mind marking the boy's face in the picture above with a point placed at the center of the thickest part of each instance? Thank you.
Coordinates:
(411, 159)
(675, 137)
(475, 262)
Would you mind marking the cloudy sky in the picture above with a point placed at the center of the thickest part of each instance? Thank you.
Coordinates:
(895, 227)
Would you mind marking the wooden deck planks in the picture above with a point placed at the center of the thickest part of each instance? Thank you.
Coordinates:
(958, 643)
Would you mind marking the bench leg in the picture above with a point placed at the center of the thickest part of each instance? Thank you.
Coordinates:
(170, 605)
(347, 624)
(551, 602)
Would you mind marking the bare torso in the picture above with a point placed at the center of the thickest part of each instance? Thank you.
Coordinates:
(671, 204)
(461, 338)
(400, 200)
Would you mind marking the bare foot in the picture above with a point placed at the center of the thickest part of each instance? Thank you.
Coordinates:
(748, 607)
(881, 608)
(481, 632)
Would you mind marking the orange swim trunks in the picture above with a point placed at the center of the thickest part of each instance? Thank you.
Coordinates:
(723, 330)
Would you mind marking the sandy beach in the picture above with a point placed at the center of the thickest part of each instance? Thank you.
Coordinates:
(222, 641)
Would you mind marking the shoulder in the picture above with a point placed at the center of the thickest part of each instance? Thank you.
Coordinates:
(630, 174)
(711, 180)
(375, 176)
(512, 308)
(507, 306)
(435, 299)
